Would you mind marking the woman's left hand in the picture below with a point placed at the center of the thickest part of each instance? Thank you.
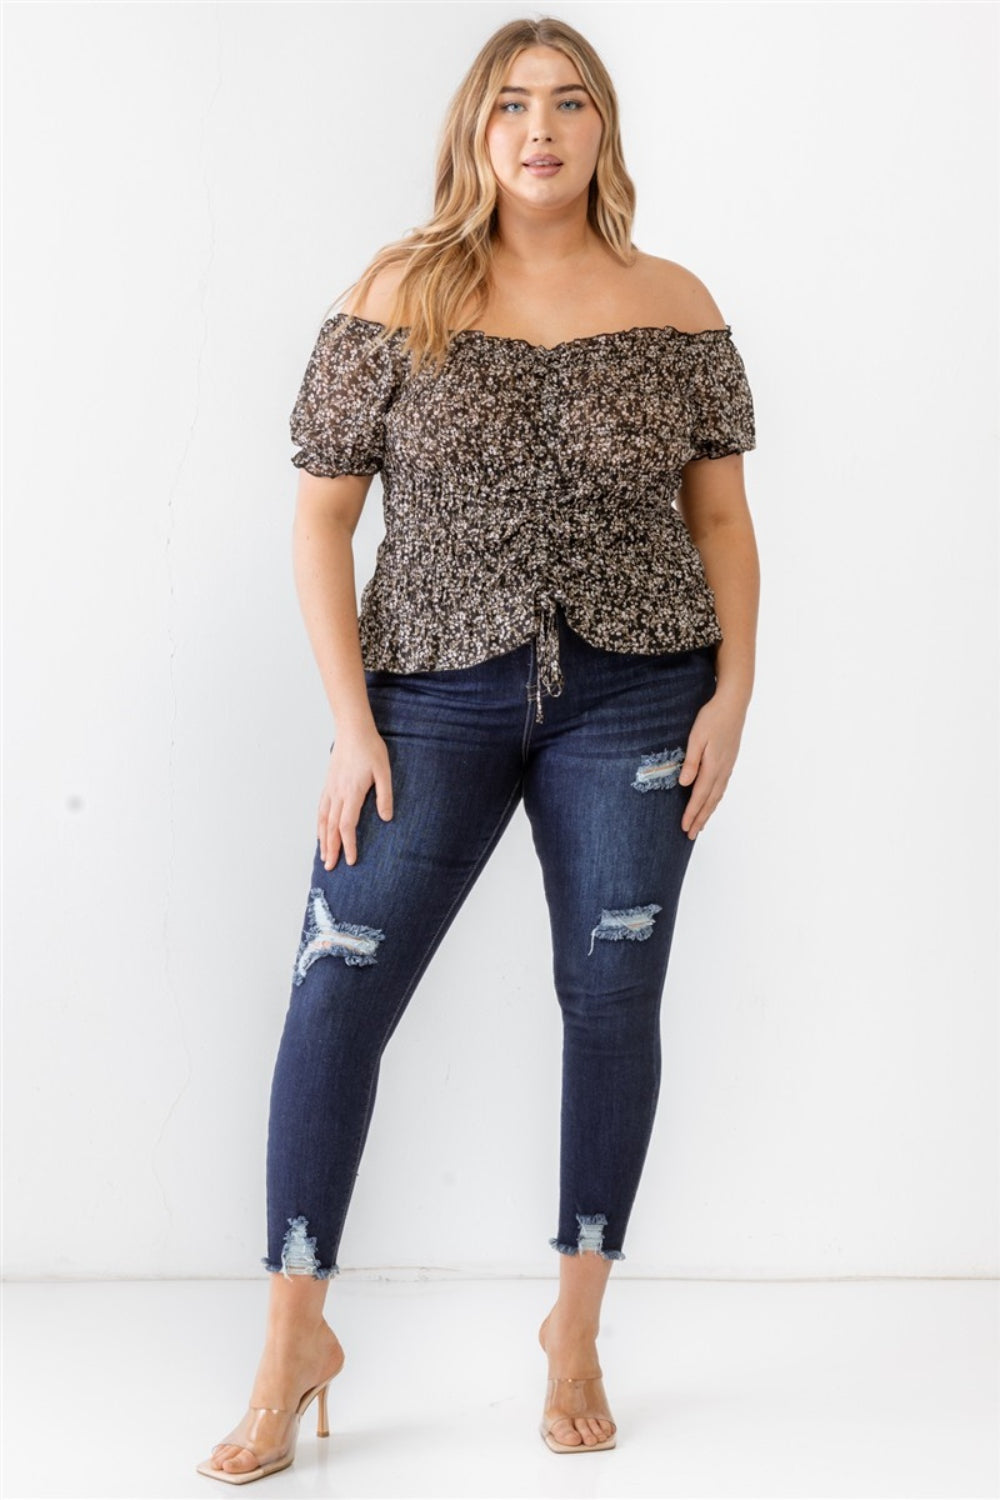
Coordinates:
(712, 748)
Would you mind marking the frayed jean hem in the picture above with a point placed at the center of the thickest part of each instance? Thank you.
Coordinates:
(319, 1274)
(575, 1250)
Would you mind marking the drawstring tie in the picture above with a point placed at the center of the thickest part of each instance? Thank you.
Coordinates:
(549, 669)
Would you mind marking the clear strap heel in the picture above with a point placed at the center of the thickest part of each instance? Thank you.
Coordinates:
(279, 1453)
(579, 1397)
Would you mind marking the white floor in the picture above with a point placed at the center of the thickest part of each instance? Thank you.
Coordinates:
(873, 1389)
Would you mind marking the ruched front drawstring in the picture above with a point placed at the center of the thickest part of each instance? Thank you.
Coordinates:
(548, 669)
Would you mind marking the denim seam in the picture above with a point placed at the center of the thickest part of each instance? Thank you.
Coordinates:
(529, 712)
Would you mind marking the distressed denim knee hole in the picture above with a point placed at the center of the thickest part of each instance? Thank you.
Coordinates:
(659, 771)
(325, 937)
(632, 922)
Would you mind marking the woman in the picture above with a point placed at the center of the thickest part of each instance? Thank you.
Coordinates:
(542, 623)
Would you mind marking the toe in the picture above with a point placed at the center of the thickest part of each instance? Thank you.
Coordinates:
(564, 1431)
(239, 1460)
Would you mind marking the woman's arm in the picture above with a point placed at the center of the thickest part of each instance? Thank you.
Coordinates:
(325, 520)
(713, 506)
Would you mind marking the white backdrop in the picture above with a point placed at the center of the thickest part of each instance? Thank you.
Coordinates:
(187, 189)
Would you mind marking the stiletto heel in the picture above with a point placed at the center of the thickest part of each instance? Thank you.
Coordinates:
(279, 1455)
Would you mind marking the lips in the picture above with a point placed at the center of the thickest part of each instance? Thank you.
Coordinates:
(542, 161)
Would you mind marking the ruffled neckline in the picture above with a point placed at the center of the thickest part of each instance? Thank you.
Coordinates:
(586, 338)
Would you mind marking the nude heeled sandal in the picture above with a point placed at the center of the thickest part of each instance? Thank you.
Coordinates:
(579, 1399)
(280, 1455)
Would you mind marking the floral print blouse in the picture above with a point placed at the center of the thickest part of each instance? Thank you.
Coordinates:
(520, 476)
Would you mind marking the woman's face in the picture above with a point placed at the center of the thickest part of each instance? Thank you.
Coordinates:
(543, 109)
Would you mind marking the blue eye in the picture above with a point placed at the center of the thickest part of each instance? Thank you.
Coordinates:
(516, 104)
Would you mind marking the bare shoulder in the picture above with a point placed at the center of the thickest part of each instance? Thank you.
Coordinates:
(679, 297)
(379, 300)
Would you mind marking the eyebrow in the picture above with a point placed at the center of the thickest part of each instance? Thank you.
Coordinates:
(562, 88)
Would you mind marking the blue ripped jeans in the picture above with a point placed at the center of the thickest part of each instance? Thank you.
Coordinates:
(600, 789)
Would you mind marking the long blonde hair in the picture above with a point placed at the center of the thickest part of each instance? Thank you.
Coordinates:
(448, 261)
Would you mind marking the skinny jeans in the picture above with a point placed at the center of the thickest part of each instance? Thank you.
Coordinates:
(599, 783)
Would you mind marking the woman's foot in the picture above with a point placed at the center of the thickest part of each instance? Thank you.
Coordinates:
(292, 1363)
(572, 1352)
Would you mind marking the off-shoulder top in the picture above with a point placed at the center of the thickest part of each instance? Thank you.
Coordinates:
(520, 476)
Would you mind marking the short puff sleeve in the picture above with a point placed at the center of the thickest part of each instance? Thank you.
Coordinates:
(338, 420)
(721, 409)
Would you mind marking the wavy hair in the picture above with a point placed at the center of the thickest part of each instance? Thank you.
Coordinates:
(448, 260)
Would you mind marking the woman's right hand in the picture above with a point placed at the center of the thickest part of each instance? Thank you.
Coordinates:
(358, 759)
